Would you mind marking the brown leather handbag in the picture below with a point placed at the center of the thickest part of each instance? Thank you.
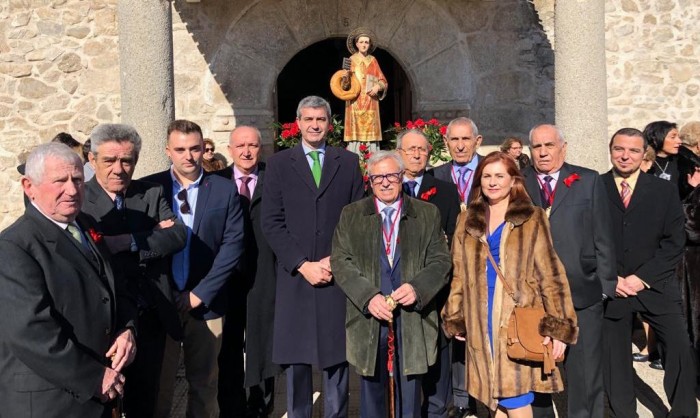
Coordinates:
(524, 340)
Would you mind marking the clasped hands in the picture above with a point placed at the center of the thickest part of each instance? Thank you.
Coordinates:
(629, 286)
(122, 353)
(317, 273)
(379, 308)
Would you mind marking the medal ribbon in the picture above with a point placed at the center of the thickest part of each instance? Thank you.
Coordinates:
(388, 237)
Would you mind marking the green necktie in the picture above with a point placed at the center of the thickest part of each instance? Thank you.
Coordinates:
(75, 232)
(316, 167)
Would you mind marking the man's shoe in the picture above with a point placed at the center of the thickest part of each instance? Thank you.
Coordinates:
(656, 365)
(457, 412)
(640, 357)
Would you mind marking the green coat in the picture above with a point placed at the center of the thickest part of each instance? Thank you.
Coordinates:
(425, 264)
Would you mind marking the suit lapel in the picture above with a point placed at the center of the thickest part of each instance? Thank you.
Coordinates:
(257, 194)
(611, 189)
(202, 197)
(561, 190)
(532, 186)
(301, 166)
(62, 243)
(331, 164)
(104, 273)
(639, 192)
(425, 185)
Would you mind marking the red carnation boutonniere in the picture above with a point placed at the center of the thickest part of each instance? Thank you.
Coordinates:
(96, 236)
(572, 178)
(426, 195)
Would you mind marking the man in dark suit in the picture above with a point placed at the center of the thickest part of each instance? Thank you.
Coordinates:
(254, 292)
(414, 148)
(305, 189)
(648, 227)
(574, 199)
(391, 259)
(209, 207)
(462, 140)
(64, 313)
(139, 228)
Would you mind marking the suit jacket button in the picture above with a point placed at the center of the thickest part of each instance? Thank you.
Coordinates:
(107, 331)
(105, 300)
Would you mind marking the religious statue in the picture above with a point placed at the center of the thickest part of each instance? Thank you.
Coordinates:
(361, 85)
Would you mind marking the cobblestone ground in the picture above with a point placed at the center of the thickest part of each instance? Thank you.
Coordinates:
(651, 400)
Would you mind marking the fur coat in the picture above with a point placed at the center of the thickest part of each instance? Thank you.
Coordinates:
(533, 270)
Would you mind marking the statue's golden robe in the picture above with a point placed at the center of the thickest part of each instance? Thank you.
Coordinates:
(362, 114)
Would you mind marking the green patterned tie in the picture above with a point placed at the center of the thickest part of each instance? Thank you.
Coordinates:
(316, 167)
(75, 232)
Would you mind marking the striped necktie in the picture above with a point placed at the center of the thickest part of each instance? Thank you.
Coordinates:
(625, 193)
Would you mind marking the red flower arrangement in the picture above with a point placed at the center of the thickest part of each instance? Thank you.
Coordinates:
(572, 178)
(96, 236)
(365, 155)
(430, 192)
(432, 129)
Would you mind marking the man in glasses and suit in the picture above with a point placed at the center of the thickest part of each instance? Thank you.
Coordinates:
(390, 257)
(210, 208)
(141, 232)
(67, 322)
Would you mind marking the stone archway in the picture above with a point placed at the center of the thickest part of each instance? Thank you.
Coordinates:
(298, 79)
(266, 34)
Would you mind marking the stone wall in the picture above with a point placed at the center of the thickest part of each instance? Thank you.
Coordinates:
(59, 71)
(59, 63)
(653, 63)
(653, 60)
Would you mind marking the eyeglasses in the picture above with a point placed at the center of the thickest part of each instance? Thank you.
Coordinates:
(208, 149)
(391, 177)
(184, 206)
(413, 150)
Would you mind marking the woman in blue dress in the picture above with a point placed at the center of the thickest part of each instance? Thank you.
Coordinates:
(501, 219)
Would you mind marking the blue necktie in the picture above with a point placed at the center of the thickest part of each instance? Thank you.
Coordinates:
(119, 202)
(409, 188)
(388, 213)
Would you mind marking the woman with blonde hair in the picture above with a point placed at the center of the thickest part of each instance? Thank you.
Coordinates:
(502, 220)
(513, 146)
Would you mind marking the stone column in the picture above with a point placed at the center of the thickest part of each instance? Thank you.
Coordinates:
(146, 66)
(580, 90)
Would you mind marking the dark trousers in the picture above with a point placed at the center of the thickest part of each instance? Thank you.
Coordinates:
(459, 376)
(437, 385)
(300, 391)
(374, 392)
(679, 368)
(584, 370)
(143, 375)
(232, 395)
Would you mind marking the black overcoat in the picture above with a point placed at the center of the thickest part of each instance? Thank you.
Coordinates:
(298, 220)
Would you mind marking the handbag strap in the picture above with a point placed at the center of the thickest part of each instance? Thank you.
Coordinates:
(499, 273)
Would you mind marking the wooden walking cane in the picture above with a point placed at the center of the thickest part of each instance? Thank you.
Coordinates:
(391, 348)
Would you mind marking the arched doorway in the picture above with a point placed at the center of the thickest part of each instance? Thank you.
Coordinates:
(309, 73)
